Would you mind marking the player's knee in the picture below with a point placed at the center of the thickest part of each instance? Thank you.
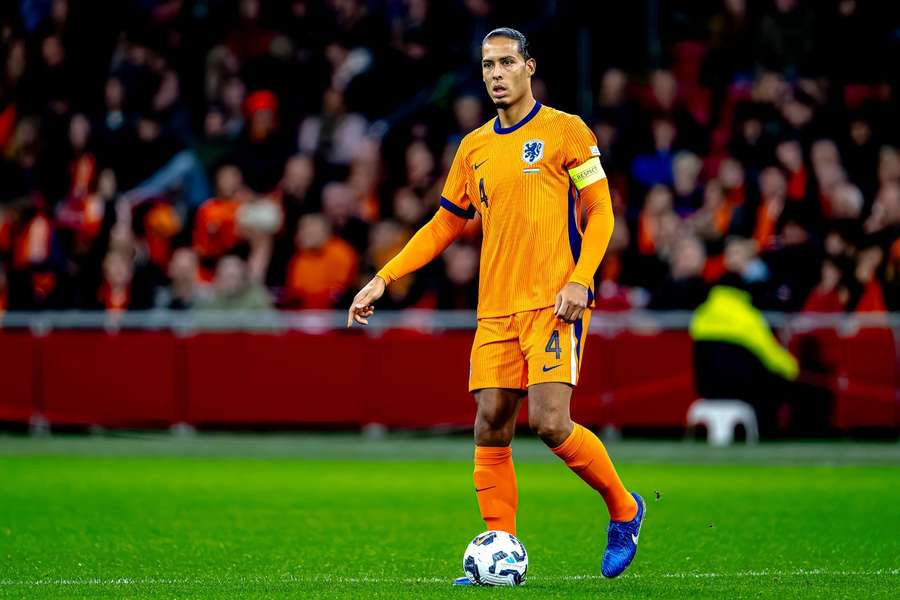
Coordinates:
(553, 428)
(493, 427)
(492, 434)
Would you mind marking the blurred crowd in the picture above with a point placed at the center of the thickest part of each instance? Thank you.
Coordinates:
(246, 154)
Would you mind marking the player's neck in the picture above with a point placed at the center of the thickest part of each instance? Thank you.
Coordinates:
(511, 115)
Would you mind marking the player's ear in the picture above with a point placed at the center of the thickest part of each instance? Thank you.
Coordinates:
(531, 66)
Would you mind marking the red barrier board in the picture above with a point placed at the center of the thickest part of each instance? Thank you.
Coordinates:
(418, 380)
(125, 379)
(17, 376)
(867, 394)
(291, 378)
(398, 378)
(651, 379)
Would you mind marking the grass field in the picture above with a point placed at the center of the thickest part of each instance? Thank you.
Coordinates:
(342, 516)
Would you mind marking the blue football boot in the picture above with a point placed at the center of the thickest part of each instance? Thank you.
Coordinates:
(622, 541)
(462, 581)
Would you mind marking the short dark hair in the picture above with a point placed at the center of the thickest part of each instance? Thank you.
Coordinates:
(513, 34)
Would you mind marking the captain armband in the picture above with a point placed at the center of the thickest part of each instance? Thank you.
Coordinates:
(588, 172)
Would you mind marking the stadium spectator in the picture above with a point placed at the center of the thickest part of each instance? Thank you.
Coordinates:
(655, 167)
(888, 165)
(790, 157)
(866, 295)
(460, 287)
(218, 143)
(386, 239)
(365, 178)
(685, 288)
(468, 114)
(264, 146)
(830, 295)
(257, 221)
(296, 187)
(215, 225)
(114, 294)
(732, 176)
(232, 288)
(884, 221)
(711, 221)
(295, 197)
(761, 221)
(657, 209)
(686, 183)
(185, 289)
(334, 135)
(736, 356)
(323, 267)
(341, 205)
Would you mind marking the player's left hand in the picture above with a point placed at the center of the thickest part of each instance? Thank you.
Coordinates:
(571, 302)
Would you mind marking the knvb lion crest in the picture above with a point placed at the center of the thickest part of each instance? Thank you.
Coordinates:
(532, 151)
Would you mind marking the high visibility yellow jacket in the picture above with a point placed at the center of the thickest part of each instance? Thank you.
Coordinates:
(728, 315)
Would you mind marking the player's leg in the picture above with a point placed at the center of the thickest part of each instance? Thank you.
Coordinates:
(497, 378)
(578, 447)
(584, 453)
(554, 350)
(495, 475)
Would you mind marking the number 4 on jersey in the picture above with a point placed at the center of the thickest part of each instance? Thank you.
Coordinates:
(484, 198)
(553, 344)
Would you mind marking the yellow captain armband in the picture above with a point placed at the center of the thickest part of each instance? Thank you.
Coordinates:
(588, 172)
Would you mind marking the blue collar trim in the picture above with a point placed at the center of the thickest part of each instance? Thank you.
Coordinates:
(528, 117)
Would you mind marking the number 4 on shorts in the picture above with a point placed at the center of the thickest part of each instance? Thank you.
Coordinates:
(553, 344)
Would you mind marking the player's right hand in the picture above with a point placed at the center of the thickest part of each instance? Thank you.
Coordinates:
(363, 307)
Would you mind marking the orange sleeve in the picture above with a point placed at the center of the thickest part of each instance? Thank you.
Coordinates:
(429, 241)
(582, 159)
(442, 229)
(455, 195)
(579, 143)
(598, 230)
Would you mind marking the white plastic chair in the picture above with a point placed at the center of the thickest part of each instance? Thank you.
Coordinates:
(721, 417)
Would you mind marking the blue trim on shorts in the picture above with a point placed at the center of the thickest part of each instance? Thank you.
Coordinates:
(578, 331)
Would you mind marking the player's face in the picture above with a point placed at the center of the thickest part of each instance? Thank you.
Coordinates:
(507, 76)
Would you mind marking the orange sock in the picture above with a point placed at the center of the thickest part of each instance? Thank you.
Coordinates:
(585, 455)
(495, 487)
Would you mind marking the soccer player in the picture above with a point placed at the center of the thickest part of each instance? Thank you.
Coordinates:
(528, 173)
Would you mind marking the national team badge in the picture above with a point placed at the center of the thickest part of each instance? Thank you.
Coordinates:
(532, 151)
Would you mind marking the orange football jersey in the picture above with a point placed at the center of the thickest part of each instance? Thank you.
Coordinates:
(518, 180)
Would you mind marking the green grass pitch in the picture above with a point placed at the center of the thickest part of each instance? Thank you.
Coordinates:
(341, 516)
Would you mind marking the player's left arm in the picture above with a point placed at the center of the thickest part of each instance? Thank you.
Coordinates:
(590, 180)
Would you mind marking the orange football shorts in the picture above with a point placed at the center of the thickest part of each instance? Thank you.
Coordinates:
(526, 348)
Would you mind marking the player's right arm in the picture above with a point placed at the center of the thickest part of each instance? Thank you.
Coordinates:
(432, 239)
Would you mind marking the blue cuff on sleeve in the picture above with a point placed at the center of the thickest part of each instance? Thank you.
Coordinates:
(456, 210)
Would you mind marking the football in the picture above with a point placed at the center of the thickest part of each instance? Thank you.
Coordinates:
(496, 558)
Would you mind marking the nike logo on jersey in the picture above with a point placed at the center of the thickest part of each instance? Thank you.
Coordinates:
(484, 489)
(634, 538)
(476, 165)
(546, 368)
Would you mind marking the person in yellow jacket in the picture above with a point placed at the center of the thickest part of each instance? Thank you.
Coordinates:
(737, 356)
